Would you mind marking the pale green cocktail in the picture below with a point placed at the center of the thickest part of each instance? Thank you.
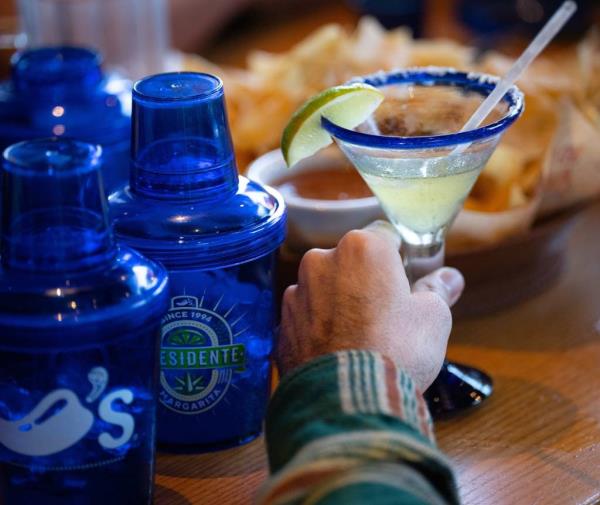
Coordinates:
(418, 206)
(421, 167)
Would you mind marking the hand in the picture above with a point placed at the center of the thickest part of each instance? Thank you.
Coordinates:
(357, 296)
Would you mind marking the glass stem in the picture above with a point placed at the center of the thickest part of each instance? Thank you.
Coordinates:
(419, 260)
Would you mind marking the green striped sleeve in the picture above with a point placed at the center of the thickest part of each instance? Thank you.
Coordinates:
(349, 421)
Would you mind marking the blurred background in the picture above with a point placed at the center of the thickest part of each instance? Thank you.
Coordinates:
(135, 33)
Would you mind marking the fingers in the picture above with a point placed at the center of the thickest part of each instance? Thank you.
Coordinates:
(289, 297)
(372, 255)
(386, 231)
(313, 263)
(285, 347)
(447, 282)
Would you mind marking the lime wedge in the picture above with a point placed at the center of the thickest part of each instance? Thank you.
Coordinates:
(347, 106)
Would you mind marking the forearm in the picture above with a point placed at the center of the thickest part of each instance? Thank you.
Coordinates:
(349, 426)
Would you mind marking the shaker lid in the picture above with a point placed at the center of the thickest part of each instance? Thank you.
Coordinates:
(243, 227)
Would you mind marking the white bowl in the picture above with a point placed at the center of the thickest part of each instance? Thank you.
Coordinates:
(315, 223)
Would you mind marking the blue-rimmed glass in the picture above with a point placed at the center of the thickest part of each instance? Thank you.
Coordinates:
(422, 180)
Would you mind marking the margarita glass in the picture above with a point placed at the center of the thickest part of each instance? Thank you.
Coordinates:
(421, 172)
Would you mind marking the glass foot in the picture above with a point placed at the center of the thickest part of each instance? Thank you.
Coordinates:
(456, 389)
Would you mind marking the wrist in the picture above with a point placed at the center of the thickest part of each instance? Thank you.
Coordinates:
(346, 390)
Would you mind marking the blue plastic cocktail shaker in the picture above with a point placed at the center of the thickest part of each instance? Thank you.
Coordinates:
(217, 233)
(62, 92)
(79, 329)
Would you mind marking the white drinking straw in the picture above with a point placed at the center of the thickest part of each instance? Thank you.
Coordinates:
(541, 40)
(537, 45)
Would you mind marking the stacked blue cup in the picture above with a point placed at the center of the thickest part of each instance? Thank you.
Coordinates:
(62, 92)
(79, 322)
(217, 234)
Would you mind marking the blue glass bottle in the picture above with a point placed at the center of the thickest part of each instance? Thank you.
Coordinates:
(79, 323)
(62, 92)
(217, 233)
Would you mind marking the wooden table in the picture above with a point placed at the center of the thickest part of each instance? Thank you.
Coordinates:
(536, 441)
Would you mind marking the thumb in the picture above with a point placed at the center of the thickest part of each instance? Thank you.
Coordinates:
(447, 282)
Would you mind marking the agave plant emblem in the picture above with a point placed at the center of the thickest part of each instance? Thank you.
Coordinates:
(186, 337)
(188, 384)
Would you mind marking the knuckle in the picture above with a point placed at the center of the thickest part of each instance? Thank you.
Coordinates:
(357, 242)
(289, 296)
(434, 288)
(311, 262)
(426, 284)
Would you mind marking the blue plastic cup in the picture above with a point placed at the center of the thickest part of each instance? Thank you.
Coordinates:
(218, 235)
(63, 92)
(79, 323)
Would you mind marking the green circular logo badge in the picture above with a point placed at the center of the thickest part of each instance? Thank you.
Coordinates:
(197, 357)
